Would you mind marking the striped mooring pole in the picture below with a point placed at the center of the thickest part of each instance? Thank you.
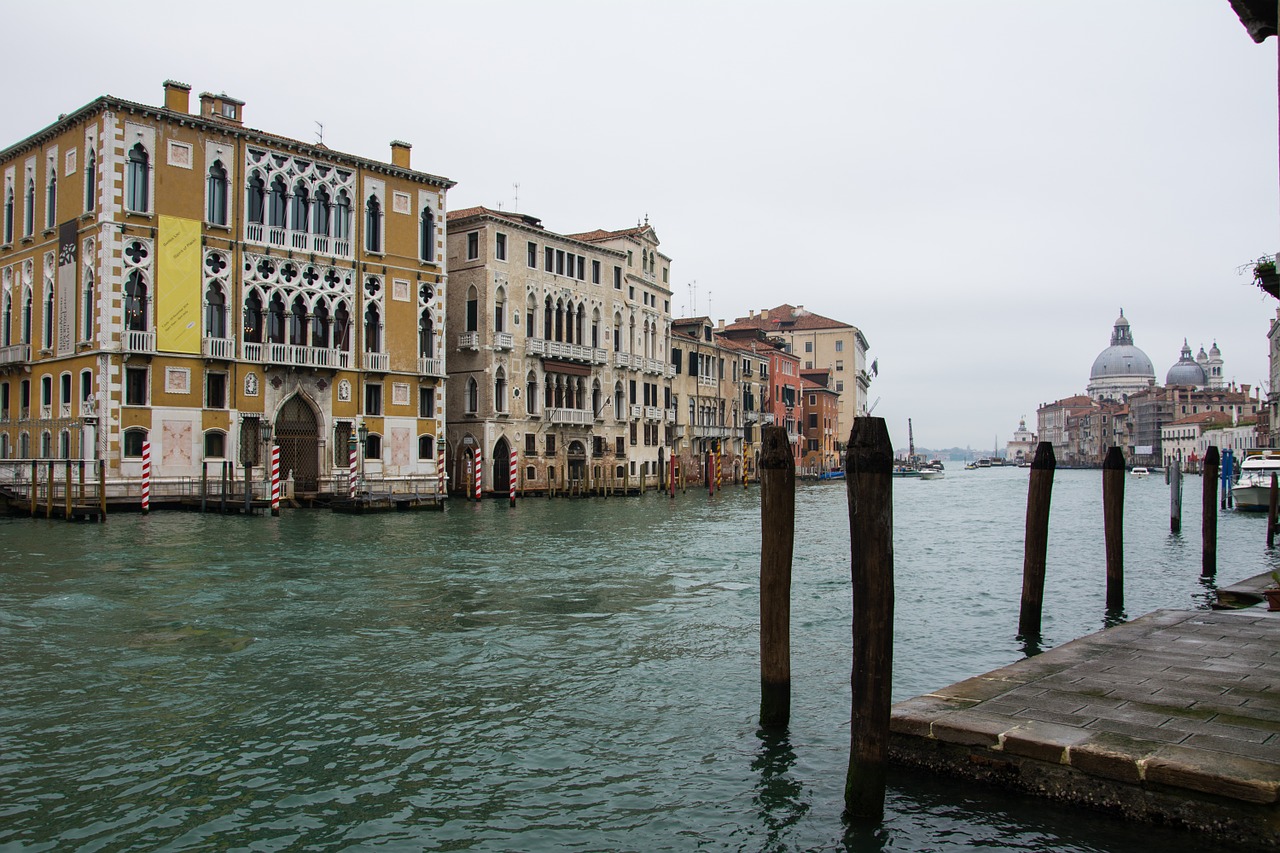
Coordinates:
(440, 471)
(146, 476)
(351, 476)
(275, 479)
(479, 467)
(511, 478)
(719, 478)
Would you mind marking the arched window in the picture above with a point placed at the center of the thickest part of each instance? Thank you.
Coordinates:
(64, 444)
(473, 396)
(46, 445)
(426, 447)
(595, 398)
(427, 235)
(320, 326)
(133, 439)
(320, 213)
(559, 320)
(426, 335)
(48, 316)
(473, 310)
(373, 446)
(8, 215)
(275, 320)
(372, 329)
(298, 322)
(6, 333)
(531, 392)
(26, 317)
(24, 446)
(617, 333)
(215, 444)
(253, 318)
(29, 211)
(342, 328)
(342, 216)
(500, 390)
(257, 200)
(90, 181)
(137, 180)
(276, 203)
(595, 328)
(217, 192)
(86, 313)
(135, 303)
(500, 311)
(373, 224)
(579, 332)
(547, 317)
(4, 446)
(529, 324)
(619, 402)
(51, 201)
(215, 312)
(298, 219)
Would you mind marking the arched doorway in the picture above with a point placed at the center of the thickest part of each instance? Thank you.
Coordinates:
(576, 457)
(501, 468)
(297, 431)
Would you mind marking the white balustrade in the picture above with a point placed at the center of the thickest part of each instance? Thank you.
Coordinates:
(430, 366)
(224, 348)
(135, 341)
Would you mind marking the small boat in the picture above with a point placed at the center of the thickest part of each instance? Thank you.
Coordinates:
(907, 471)
(1139, 471)
(931, 474)
(984, 463)
(1252, 492)
(837, 474)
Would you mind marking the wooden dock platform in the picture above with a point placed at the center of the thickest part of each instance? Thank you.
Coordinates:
(1172, 718)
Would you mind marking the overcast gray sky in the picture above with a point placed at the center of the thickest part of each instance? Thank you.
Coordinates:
(979, 186)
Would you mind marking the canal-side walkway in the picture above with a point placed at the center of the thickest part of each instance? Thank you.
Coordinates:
(1171, 718)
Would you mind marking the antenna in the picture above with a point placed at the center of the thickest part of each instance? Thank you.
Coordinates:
(516, 207)
(693, 288)
(319, 133)
(708, 304)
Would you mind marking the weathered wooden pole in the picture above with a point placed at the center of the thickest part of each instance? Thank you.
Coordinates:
(222, 504)
(1209, 515)
(869, 485)
(204, 486)
(48, 495)
(35, 479)
(67, 497)
(1036, 544)
(1113, 525)
(1175, 497)
(102, 488)
(1271, 511)
(777, 540)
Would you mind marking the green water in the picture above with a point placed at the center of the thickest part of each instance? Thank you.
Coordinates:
(565, 675)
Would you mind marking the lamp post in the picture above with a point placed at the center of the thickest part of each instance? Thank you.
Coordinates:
(246, 456)
(364, 438)
(264, 428)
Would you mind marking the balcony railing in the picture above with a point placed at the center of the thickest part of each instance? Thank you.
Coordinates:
(46, 412)
(16, 354)
(652, 413)
(654, 366)
(637, 411)
(64, 410)
(503, 340)
(224, 348)
(379, 361)
(669, 415)
(302, 241)
(469, 340)
(575, 417)
(250, 351)
(135, 341)
(569, 352)
(708, 380)
(430, 366)
(768, 419)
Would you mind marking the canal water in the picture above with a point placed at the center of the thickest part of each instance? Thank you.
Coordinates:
(565, 675)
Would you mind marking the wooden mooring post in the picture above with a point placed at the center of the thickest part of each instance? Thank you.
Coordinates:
(1175, 497)
(1209, 515)
(1036, 545)
(777, 541)
(869, 485)
(1113, 525)
(102, 489)
(1274, 498)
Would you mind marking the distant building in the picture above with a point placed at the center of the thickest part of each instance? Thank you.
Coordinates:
(1121, 369)
(1023, 445)
(820, 411)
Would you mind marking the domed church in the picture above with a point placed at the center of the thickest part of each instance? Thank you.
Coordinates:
(1187, 371)
(1121, 369)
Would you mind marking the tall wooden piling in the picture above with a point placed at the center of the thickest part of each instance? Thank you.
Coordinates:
(1209, 515)
(102, 489)
(1036, 544)
(1271, 511)
(777, 541)
(1175, 497)
(67, 497)
(869, 485)
(1113, 525)
(204, 486)
(35, 479)
(48, 495)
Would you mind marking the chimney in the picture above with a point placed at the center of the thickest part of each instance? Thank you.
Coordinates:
(400, 153)
(764, 315)
(177, 96)
(222, 107)
(751, 313)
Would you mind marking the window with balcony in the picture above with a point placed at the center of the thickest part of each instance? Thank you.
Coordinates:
(257, 200)
(298, 322)
(372, 329)
(215, 312)
(499, 311)
(137, 180)
(253, 325)
(277, 209)
(342, 216)
(275, 320)
(135, 303)
(300, 208)
(473, 310)
(321, 212)
(426, 335)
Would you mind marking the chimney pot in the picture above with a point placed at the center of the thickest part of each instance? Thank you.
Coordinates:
(177, 96)
(400, 153)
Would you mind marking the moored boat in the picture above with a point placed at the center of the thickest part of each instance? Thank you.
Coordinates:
(1252, 492)
(1139, 471)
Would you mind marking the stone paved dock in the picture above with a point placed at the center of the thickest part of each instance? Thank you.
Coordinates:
(1171, 718)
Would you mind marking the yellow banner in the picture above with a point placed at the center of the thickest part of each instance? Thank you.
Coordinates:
(178, 286)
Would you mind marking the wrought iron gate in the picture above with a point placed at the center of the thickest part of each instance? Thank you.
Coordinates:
(298, 434)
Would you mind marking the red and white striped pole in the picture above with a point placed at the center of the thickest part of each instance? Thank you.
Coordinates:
(351, 477)
(275, 479)
(719, 479)
(479, 467)
(440, 471)
(146, 475)
(512, 478)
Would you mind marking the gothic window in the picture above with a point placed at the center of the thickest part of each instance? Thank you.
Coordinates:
(48, 315)
(6, 333)
(51, 200)
(137, 181)
(8, 215)
(342, 216)
(548, 313)
(426, 335)
(257, 200)
(275, 320)
(372, 329)
(473, 396)
(90, 181)
(500, 390)
(29, 211)
(26, 317)
(253, 318)
(301, 207)
(499, 311)
(342, 328)
(531, 392)
(529, 324)
(320, 326)
(217, 193)
(373, 225)
(215, 312)
(276, 203)
(320, 213)
(298, 322)
(135, 303)
(427, 235)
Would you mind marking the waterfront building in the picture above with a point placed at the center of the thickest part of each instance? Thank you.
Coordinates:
(820, 414)
(752, 359)
(1180, 438)
(1239, 439)
(820, 343)
(1022, 447)
(177, 279)
(709, 399)
(780, 403)
(1152, 409)
(1122, 368)
(560, 353)
(1052, 422)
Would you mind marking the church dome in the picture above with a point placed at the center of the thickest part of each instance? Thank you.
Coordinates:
(1187, 371)
(1122, 359)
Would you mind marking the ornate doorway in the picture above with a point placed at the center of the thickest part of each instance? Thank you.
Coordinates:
(297, 431)
(576, 456)
(501, 467)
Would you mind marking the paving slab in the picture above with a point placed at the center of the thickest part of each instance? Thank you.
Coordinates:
(1173, 717)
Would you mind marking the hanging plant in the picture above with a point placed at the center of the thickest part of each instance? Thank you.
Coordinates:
(1265, 275)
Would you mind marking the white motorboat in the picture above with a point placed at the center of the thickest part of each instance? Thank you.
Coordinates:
(1140, 472)
(1252, 492)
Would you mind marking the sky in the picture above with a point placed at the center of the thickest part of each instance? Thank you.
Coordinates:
(980, 187)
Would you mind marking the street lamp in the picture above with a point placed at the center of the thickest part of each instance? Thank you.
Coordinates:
(364, 447)
(264, 430)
